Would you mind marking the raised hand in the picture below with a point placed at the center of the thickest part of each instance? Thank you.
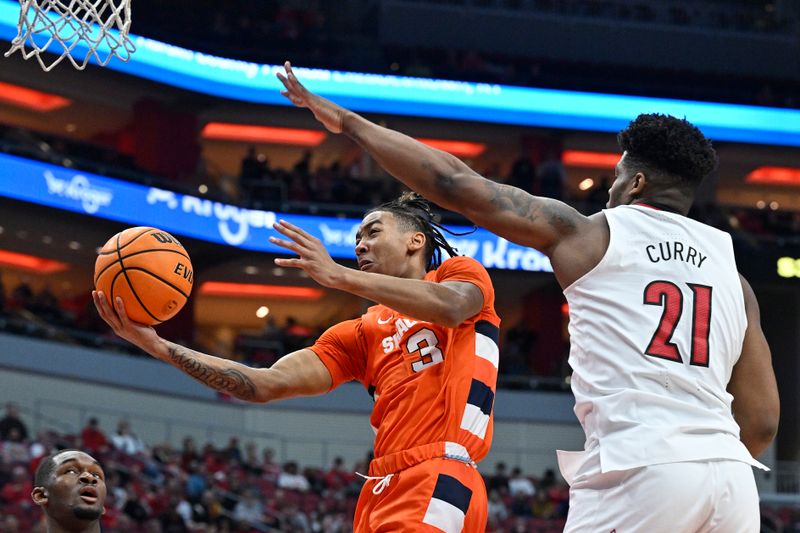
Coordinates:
(325, 111)
(140, 335)
(314, 259)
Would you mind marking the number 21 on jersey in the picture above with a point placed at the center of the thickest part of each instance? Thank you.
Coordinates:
(669, 296)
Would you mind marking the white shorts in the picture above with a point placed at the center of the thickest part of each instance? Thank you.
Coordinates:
(690, 497)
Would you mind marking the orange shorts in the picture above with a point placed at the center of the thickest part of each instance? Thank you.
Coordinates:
(435, 495)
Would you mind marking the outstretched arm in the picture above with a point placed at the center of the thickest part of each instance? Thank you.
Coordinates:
(299, 373)
(756, 405)
(448, 303)
(514, 214)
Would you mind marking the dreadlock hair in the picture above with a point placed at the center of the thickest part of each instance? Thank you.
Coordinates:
(414, 213)
(674, 150)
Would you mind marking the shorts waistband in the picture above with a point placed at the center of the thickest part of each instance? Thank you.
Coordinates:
(395, 462)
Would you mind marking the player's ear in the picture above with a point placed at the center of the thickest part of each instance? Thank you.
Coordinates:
(39, 496)
(638, 183)
(416, 241)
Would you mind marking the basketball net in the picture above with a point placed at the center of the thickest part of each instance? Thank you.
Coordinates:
(67, 28)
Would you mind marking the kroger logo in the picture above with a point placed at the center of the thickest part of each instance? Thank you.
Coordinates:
(80, 189)
(234, 223)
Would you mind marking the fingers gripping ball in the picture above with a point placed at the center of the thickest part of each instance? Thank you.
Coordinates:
(149, 269)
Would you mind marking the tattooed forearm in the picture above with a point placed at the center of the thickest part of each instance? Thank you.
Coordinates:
(227, 380)
(558, 216)
(565, 220)
(444, 183)
(507, 198)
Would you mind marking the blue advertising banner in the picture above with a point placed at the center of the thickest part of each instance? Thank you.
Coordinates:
(502, 104)
(200, 218)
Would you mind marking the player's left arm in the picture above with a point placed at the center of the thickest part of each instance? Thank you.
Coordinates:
(756, 405)
(448, 303)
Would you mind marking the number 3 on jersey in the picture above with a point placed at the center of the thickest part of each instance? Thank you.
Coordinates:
(424, 341)
(669, 296)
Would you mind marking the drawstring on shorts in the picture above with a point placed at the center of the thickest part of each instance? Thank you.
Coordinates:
(382, 481)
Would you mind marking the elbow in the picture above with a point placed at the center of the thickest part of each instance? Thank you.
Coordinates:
(451, 317)
(265, 391)
(757, 437)
(449, 322)
(769, 430)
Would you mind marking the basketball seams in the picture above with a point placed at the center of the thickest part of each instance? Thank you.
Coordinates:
(145, 232)
(118, 248)
(133, 291)
(124, 272)
(159, 278)
(97, 277)
(142, 234)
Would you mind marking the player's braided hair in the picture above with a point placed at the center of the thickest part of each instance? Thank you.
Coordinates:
(414, 213)
(672, 147)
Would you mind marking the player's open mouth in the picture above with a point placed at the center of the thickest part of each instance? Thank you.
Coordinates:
(89, 495)
(363, 265)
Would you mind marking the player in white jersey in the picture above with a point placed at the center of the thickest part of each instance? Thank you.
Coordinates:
(673, 377)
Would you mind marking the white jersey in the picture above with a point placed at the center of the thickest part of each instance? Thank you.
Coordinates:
(655, 330)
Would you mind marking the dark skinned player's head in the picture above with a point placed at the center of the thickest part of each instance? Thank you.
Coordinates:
(670, 153)
(399, 233)
(70, 488)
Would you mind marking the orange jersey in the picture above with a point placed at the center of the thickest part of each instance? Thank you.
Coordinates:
(433, 386)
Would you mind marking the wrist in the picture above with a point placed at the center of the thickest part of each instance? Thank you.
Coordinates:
(346, 121)
(158, 348)
(346, 280)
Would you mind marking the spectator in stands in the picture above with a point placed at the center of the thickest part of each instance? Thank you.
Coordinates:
(552, 176)
(171, 521)
(70, 488)
(271, 469)
(46, 306)
(249, 510)
(92, 438)
(519, 485)
(135, 508)
(17, 491)
(12, 421)
(292, 479)
(499, 480)
(232, 452)
(548, 480)
(22, 296)
(338, 477)
(542, 506)
(523, 174)
(196, 481)
(189, 453)
(14, 448)
(497, 509)
(126, 441)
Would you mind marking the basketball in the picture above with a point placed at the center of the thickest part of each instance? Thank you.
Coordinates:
(149, 269)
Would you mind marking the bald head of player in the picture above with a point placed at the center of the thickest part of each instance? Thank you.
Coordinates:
(401, 239)
(70, 488)
(664, 160)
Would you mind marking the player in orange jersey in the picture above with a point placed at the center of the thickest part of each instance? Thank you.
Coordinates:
(427, 353)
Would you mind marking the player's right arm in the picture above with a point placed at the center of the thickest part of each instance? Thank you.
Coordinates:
(756, 405)
(541, 223)
(299, 373)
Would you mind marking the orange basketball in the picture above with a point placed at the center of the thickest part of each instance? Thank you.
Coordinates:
(149, 269)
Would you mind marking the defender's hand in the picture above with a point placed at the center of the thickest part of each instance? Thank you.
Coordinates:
(325, 111)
